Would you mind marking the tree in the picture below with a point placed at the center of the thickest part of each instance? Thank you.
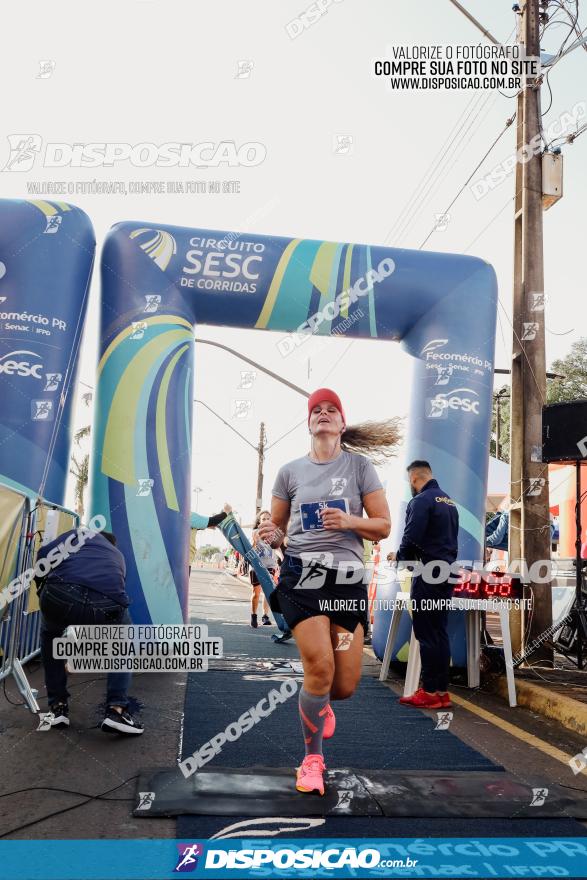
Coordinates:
(208, 551)
(574, 368)
(80, 471)
(501, 399)
(574, 385)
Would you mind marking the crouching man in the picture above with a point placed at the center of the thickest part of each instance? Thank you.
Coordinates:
(86, 587)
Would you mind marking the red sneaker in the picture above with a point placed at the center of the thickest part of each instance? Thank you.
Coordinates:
(445, 701)
(422, 700)
(329, 723)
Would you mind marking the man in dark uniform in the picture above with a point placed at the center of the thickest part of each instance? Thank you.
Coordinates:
(430, 535)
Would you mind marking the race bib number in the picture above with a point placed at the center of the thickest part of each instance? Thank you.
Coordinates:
(311, 520)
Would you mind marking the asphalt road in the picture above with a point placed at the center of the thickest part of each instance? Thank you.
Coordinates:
(86, 761)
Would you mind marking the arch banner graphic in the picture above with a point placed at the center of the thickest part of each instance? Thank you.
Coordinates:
(46, 258)
(159, 282)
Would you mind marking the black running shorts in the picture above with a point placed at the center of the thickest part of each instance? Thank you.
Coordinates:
(254, 579)
(344, 604)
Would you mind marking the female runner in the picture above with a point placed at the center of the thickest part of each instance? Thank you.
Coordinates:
(319, 501)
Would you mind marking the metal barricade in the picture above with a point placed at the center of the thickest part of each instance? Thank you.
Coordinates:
(20, 619)
(14, 515)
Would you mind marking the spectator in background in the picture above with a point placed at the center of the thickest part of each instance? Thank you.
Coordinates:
(584, 547)
(269, 560)
(496, 532)
(367, 551)
(554, 533)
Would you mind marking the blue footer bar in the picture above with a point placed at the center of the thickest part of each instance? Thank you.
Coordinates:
(506, 857)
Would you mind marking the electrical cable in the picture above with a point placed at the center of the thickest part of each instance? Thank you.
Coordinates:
(457, 160)
(574, 22)
(569, 138)
(559, 54)
(228, 425)
(541, 677)
(303, 422)
(8, 700)
(444, 168)
(97, 797)
(430, 170)
(550, 105)
(572, 787)
(491, 222)
(66, 809)
(426, 188)
(497, 139)
(523, 351)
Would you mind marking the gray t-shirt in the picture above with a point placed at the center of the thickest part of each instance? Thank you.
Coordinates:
(349, 477)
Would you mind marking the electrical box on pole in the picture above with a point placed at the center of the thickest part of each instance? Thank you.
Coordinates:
(552, 179)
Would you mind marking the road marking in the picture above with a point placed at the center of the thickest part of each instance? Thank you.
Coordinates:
(518, 732)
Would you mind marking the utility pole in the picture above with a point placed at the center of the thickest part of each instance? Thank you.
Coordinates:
(529, 533)
(261, 451)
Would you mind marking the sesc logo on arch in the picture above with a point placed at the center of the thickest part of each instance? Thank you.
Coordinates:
(463, 399)
(21, 363)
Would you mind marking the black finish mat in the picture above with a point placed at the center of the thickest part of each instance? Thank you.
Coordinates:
(263, 792)
(252, 791)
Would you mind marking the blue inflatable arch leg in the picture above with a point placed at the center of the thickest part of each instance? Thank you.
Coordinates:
(46, 258)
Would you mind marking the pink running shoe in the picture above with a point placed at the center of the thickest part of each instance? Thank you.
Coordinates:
(329, 723)
(309, 775)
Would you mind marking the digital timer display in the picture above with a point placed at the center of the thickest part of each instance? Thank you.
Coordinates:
(474, 585)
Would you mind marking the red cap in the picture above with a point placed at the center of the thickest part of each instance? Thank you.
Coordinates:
(325, 394)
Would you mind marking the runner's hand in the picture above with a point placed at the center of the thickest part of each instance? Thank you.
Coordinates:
(333, 518)
(270, 533)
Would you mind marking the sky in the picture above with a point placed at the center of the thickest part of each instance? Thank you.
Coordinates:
(149, 71)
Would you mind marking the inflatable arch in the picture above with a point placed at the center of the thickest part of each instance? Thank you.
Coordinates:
(159, 282)
(46, 257)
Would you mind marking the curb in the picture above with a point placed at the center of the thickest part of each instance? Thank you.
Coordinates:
(569, 712)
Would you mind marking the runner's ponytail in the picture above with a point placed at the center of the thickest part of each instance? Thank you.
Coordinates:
(377, 440)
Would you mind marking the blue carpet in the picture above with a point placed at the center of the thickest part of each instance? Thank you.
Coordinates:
(373, 731)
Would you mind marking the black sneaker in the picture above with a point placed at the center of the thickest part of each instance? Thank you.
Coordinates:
(121, 722)
(254, 623)
(59, 715)
(265, 620)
